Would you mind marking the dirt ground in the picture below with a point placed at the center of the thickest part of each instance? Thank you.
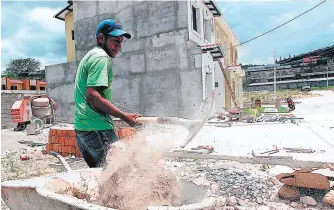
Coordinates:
(267, 96)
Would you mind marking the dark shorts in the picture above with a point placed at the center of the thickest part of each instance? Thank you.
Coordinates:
(94, 145)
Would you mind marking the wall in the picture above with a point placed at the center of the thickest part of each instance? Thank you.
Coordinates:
(70, 44)
(154, 75)
(7, 100)
(60, 79)
(220, 90)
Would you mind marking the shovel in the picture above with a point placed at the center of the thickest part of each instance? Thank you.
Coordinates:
(193, 126)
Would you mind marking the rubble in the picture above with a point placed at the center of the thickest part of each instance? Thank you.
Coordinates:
(329, 198)
(276, 170)
(308, 200)
(289, 193)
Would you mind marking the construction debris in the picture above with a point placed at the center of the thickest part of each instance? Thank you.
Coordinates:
(24, 157)
(329, 198)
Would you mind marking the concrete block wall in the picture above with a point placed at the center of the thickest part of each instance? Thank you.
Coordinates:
(154, 74)
(7, 100)
(60, 79)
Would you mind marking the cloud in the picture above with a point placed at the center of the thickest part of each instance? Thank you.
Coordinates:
(29, 30)
(44, 17)
(250, 19)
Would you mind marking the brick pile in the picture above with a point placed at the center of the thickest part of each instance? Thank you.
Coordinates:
(62, 140)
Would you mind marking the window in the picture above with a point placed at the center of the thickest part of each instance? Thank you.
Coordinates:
(32, 87)
(195, 19)
(13, 87)
(42, 88)
(194, 15)
(3, 87)
(216, 84)
(72, 34)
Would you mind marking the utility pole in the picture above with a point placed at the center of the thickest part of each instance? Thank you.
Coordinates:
(327, 73)
(274, 77)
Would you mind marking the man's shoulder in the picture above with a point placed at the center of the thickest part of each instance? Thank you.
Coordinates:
(97, 52)
(94, 53)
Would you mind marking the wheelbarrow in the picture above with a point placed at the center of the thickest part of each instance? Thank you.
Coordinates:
(32, 194)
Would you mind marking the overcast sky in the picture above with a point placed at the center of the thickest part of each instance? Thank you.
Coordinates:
(28, 29)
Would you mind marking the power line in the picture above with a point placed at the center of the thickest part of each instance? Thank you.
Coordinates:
(278, 26)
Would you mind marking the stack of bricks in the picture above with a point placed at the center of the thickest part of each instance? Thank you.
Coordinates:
(62, 141)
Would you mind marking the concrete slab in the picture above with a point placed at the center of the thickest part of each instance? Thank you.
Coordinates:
(237, 142)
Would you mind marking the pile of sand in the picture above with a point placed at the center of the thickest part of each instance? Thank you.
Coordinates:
(133, 178)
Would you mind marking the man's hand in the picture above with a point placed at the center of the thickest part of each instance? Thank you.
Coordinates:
(130, 118)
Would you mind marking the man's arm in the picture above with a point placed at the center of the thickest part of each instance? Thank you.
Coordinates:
(95, 99)
(97, 81)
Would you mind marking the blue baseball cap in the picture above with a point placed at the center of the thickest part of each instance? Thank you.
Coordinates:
(111, 27)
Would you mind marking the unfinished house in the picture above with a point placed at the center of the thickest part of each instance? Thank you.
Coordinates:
(165, 69)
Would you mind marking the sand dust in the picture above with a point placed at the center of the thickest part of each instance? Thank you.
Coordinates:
(134, 178)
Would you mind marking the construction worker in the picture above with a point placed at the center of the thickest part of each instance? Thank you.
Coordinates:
(93, 95)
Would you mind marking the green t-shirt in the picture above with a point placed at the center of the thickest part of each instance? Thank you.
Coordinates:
(94, 70)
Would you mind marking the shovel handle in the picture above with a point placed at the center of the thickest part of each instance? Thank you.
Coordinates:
(61, 159)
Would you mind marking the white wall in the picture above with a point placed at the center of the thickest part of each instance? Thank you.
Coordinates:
(220, 90)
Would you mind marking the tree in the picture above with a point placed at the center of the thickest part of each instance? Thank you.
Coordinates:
(22, 67)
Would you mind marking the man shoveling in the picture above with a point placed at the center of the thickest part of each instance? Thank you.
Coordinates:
(93, 95)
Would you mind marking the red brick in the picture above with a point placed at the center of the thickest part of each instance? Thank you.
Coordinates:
(57, 148)
(51, 146)
(71, 133)
(47, 147)
(58, 140)
(67, 141)
(72, 141)
(59, 133)
(24, 157)
(74, 149)
(52, 132)
(53, 140)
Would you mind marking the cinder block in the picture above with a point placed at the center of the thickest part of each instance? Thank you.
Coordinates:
(126, 18)
(84, 9)
(161, 59)
(85, 33)
(182, 14)
(174, 37)
(106, 7)
(137, 63)
(121, 65)
(105, 16)
(161, 82)
(142, 19)
(183, 56)
(120, 5)
(161, 17)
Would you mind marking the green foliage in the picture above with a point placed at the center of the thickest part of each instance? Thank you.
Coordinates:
(22, 68)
